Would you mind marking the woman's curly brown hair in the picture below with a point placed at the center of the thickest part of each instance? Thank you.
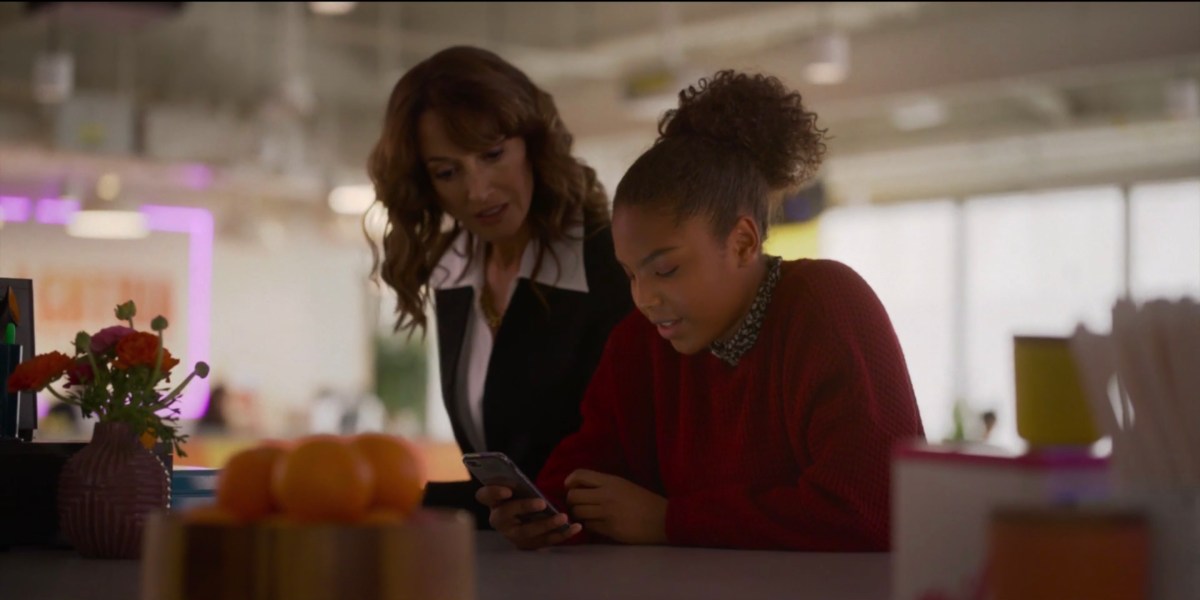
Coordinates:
(735, 142)
(482, 99)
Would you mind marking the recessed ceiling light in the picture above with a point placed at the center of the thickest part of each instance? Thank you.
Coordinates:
(108, 225)
(918, 113)
(332, 8)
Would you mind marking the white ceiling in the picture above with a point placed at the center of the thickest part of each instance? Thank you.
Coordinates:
(204, 82)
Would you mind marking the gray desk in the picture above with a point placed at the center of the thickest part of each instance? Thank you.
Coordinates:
(578, 572)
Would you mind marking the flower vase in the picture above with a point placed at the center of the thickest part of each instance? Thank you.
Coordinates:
(106, 491)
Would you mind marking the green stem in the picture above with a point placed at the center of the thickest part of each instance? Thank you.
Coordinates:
(96, 380)
(179, 388)
(157, 360)
(55, 393)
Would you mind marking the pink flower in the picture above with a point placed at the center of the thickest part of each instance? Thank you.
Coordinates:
(108, 337)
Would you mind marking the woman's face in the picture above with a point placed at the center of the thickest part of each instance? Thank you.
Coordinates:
(488, 192)
(687, 281)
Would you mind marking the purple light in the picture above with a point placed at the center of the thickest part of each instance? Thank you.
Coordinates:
(198, 224)
(55, 212)
(196, 176)
(15, 208)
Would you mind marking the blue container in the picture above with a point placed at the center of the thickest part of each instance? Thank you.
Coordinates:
(193, 486)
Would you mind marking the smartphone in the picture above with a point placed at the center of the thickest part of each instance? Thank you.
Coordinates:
(495, 468)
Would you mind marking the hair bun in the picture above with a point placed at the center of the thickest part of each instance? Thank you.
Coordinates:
(756, 115)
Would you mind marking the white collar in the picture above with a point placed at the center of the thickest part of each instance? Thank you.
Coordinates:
(563, 269)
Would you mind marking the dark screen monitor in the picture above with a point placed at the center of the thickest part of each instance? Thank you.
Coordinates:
(22, 291)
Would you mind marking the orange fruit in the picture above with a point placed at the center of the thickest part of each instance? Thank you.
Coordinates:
(399, 472)
(323, 479)
(382, 516)
(244, 484)
(148, 439)
(209, 514)
(281, 444)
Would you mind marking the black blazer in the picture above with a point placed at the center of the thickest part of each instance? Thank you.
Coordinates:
(542, 359)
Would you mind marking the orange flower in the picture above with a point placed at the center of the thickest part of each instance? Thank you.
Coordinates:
(37, 372)
(139, 349)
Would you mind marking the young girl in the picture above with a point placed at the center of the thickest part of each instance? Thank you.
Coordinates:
(754, 402)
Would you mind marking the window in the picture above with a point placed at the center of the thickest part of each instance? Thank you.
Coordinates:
(1165, 240)
(905, 253)
(1036, 264)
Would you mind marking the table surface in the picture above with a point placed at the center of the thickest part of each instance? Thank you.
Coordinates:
(576, 572)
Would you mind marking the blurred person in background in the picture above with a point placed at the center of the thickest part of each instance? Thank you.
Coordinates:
(491, 217)
(326, 412)
(213, 422)
(62, 421)
(989, 424)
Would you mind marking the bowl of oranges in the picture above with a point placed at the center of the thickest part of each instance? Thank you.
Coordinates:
(322, 517)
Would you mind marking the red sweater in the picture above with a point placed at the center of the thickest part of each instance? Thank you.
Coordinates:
(789, 449)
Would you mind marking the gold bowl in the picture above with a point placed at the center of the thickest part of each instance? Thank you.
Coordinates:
(430, 556)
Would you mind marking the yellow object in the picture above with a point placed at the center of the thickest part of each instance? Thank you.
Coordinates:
(1051, 407)
(793, 240)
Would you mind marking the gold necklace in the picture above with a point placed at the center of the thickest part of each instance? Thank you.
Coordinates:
(490, 314)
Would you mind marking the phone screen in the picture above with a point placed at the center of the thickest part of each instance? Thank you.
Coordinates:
(494, 468)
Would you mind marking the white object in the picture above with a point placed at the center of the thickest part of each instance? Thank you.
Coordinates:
(108, 225)
(1174, 520)
(53, 77)
(829, 63)
(351, 199)
(942, 500)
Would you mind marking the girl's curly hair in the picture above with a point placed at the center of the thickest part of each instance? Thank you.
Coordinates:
(735, 140)
(482, 99)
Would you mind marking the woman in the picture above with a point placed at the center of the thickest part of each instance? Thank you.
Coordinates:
(754, 402)
(491, 216)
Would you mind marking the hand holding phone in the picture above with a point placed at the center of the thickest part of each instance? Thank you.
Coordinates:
(512, 516)
(495, 468)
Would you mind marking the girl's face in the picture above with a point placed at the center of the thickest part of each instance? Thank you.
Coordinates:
(692, 285)
(489, 192)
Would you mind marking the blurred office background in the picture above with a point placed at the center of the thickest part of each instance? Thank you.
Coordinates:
(996, 170)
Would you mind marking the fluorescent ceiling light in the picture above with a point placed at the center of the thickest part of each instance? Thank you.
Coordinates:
(652, 108)
(651, 93)
(351, 199)
(108, 225)
(829, 62)
(918, 113)
(331, 8)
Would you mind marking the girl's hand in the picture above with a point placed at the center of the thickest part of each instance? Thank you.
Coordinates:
(617, 508)
(505, 518)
